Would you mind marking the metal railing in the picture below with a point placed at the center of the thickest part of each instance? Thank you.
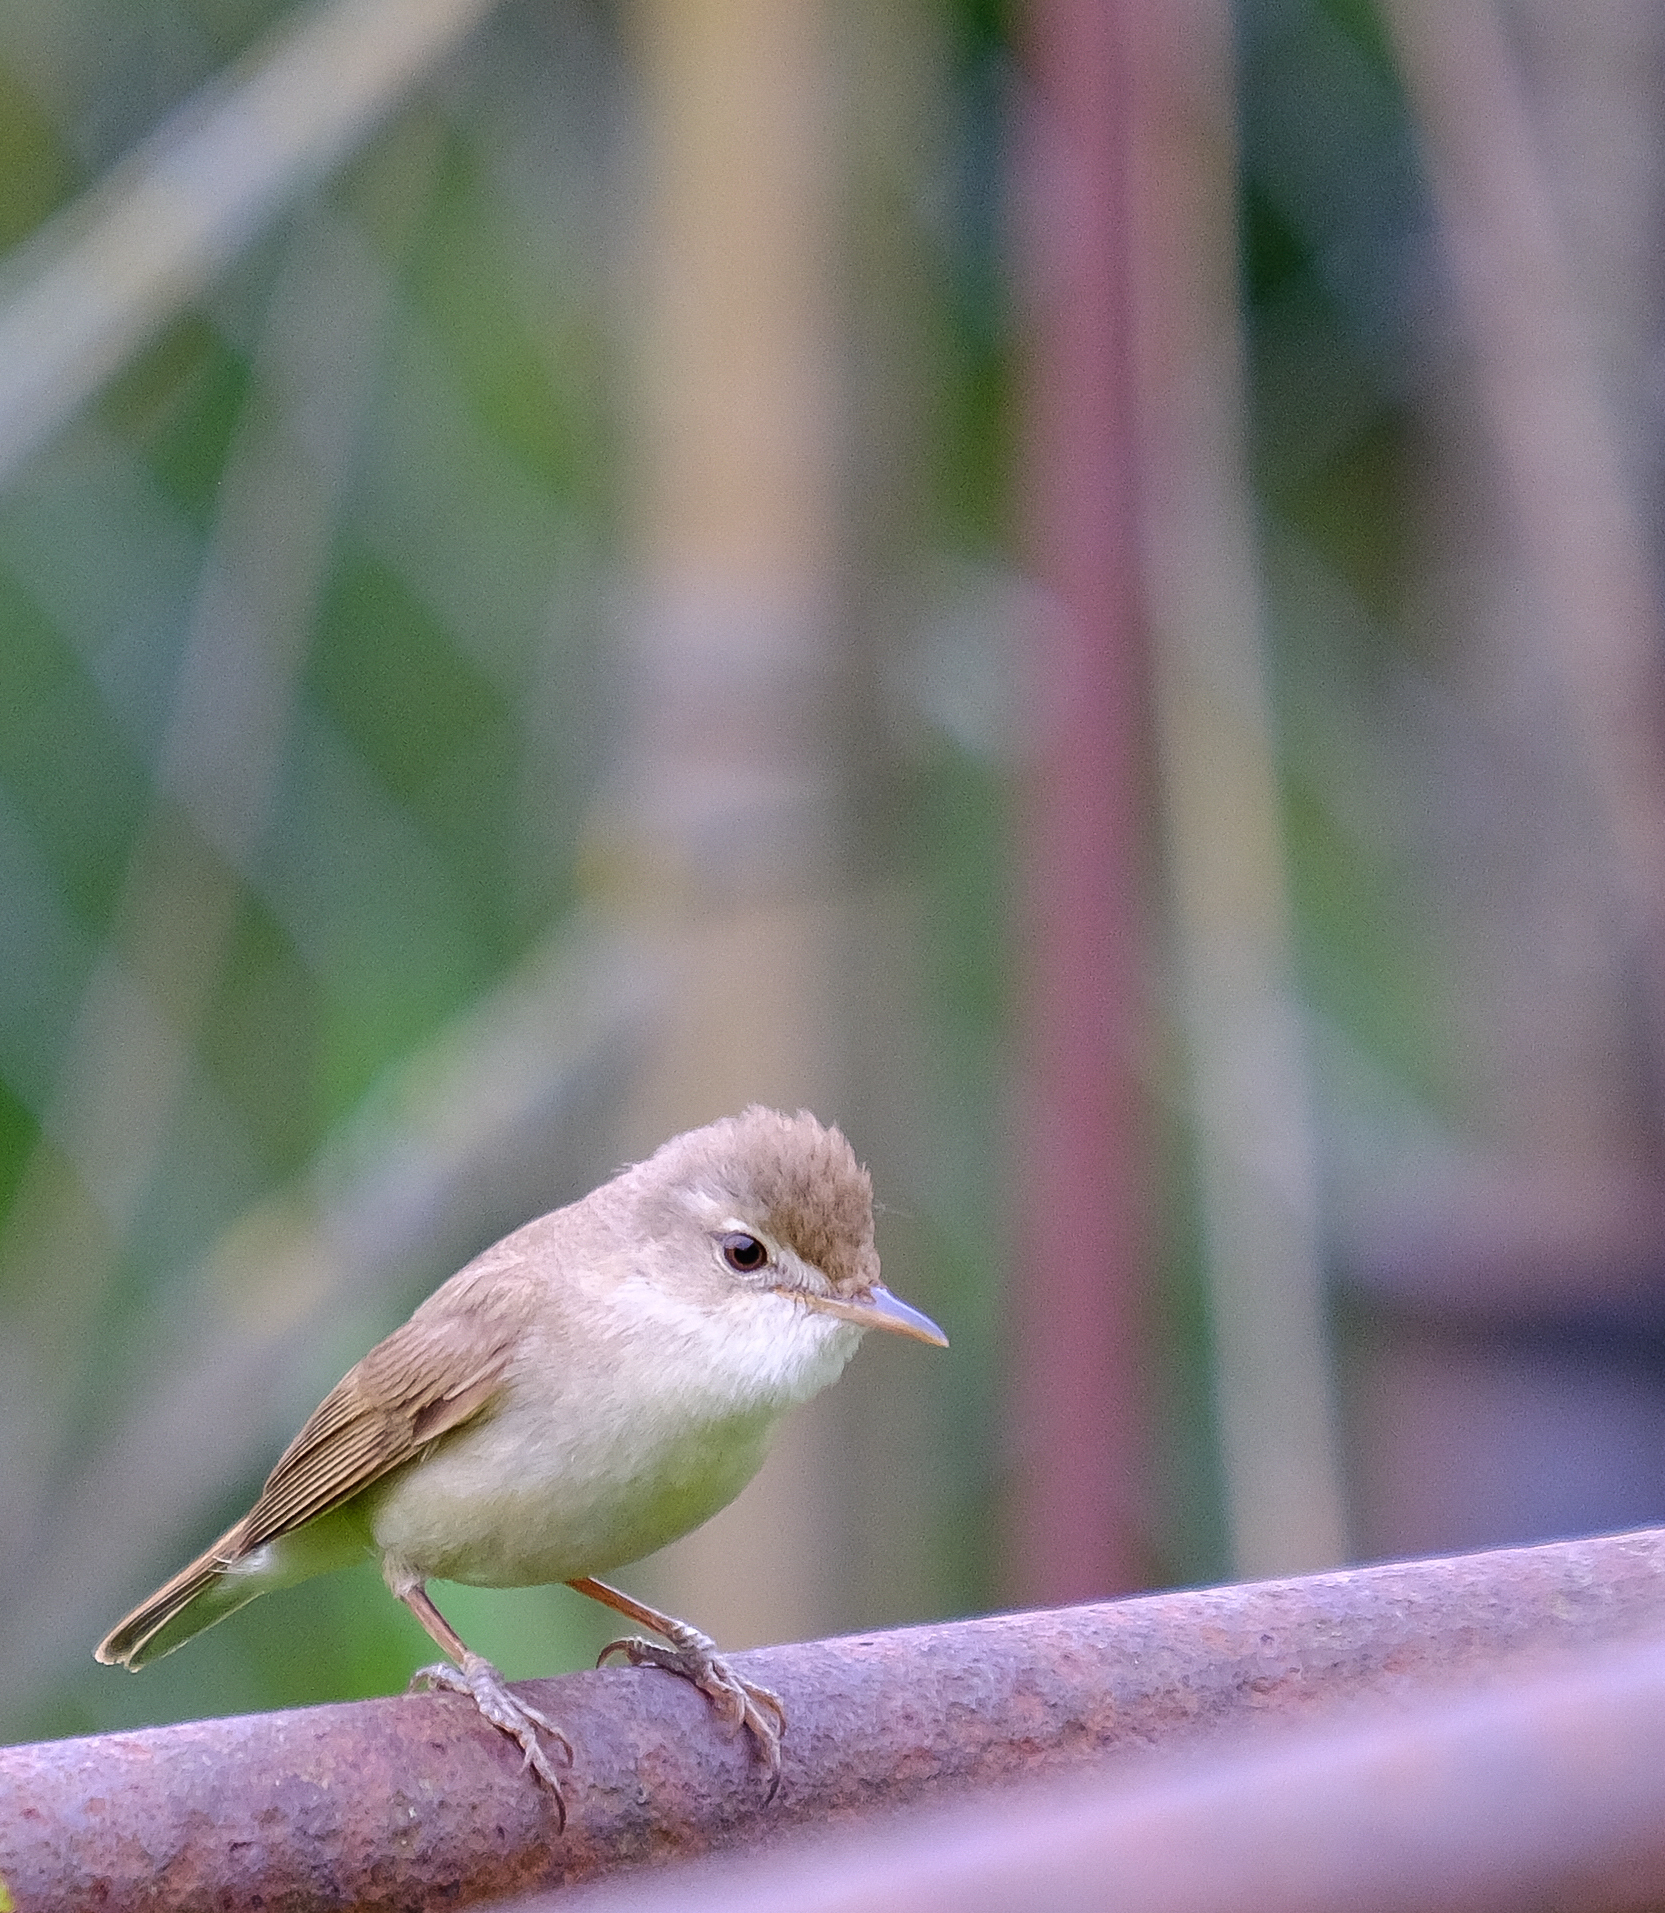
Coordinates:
(1490, 1726)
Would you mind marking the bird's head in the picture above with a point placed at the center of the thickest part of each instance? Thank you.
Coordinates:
(769, 1204)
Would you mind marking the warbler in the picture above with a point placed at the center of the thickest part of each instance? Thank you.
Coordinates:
(596, 1384)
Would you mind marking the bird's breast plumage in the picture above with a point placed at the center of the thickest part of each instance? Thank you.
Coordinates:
(583, 1465)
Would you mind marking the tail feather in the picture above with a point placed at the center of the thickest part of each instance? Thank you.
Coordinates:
(197, 1596)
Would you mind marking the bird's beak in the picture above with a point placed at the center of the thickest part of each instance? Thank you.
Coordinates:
(878, 1308)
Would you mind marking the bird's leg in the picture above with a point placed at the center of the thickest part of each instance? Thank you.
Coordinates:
(694, 1656)
(475, 1676)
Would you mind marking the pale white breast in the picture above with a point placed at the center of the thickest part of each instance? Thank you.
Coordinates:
(589, 1464)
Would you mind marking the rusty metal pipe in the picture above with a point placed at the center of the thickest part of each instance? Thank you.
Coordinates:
(1550, 1795)
(401, 1802)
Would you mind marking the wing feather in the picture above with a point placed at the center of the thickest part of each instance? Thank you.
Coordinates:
(428, 1377)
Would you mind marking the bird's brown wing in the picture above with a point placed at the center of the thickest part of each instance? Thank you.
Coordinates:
(427, 1378)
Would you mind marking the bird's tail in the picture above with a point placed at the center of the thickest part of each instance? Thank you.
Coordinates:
(216, 1584)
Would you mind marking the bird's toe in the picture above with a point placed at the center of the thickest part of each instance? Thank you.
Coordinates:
(517, 1718)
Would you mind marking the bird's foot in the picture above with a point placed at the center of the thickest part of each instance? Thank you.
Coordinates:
(517, 1718)
(739, 1703)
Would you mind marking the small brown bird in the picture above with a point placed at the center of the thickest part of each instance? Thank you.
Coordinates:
(594, 1385)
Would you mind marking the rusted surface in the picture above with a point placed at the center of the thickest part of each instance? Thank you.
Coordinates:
(414, 1801)
(1547, 1796)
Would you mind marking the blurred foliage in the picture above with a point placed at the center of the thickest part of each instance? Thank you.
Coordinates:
(442, 740)
(445, 732)
(450, 719)
(1338, 244)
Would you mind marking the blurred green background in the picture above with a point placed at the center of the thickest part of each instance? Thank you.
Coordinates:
(319, 666)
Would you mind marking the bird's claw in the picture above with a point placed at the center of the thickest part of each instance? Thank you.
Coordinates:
(739, 1703)
(517, 1718)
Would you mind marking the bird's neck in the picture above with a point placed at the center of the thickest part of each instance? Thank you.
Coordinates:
(748, 1353)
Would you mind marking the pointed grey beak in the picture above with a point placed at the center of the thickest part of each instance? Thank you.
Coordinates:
(878, 1308)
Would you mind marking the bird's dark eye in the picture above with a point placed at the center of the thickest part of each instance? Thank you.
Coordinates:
(743, 1253)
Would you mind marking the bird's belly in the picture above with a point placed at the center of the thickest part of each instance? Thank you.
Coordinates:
(501, 1506)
